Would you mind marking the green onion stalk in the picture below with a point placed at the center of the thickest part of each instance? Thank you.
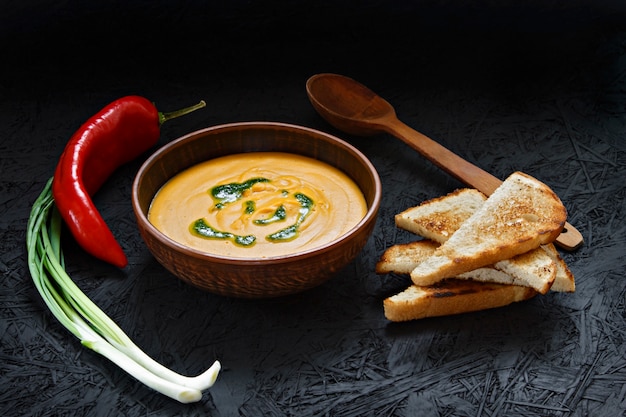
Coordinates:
(83, 318)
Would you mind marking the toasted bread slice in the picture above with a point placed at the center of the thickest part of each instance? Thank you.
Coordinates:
(439, 218)
(521, 214)
(564, 281)
(536, 269)
(403, 258)
(451, 296)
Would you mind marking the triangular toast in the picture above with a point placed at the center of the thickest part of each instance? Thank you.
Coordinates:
(451, 296)
(404, 258)
(564, 281)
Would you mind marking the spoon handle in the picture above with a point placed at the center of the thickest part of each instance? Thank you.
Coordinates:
(464, 171)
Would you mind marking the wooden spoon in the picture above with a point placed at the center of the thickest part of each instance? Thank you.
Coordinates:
(355, 109)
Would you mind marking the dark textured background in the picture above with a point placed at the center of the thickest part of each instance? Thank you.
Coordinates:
(534, 86)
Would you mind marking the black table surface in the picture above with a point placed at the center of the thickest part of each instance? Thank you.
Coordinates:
(537, 88)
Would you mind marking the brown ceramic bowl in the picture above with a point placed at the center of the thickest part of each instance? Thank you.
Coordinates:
(254, 277)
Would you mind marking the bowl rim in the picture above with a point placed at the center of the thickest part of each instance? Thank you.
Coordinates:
(370, 215)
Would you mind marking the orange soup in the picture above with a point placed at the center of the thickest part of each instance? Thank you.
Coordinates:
(256, 205)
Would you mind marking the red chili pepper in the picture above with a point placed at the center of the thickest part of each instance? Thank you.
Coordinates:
(117, 134)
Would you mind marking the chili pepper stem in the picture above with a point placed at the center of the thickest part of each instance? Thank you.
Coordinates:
(164, 117)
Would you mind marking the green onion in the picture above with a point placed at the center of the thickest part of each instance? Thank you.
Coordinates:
(85, 320)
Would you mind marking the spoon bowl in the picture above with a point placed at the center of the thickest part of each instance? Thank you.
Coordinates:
(348, 105)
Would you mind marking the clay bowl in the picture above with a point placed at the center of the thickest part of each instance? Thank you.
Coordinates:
(254, 277)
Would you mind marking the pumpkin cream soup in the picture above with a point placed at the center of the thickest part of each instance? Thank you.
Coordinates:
(257, 205)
